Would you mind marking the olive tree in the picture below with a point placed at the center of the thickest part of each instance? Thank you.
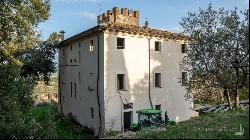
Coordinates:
(219, 51)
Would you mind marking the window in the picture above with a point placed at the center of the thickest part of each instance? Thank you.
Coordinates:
(184, 78)
(79, 44)
(63, 52)
(71, 89)
(71, 47)
(75, 90)
(91, 46)
(157, 46)
(92, 112)
(120, 43)
(121, 81)
(183, 48)
(158, 107)
(79, 75)
(158, 80)
(75, 60)
(70, 60)
(79, 56)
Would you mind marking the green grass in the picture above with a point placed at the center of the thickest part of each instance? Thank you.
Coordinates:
(211, 126)
(65, 128)
(112, 133)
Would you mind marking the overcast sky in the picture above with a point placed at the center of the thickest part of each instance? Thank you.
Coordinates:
(75, 16)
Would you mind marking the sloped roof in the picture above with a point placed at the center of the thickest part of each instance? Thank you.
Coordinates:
(125, 28)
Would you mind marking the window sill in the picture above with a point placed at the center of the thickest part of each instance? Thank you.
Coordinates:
(122, 90)
(120, 47)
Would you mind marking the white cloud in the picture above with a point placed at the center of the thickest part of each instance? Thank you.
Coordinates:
(88, 15)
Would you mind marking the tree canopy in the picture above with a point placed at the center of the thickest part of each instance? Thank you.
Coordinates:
(18, 19)
(218, 58)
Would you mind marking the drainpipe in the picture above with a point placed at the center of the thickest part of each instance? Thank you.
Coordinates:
(97, 83)
(149, 95)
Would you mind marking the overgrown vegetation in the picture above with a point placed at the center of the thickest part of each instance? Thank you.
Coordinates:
(15, 104)
(24, 58)
(65, 128)
(212, 126)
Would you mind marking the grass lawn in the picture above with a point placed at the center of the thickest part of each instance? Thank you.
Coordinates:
(211, 126)
(65, 128)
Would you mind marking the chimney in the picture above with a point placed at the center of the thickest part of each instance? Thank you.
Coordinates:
(62, 35)
(124, 11)
(130, 13)
(146, 24)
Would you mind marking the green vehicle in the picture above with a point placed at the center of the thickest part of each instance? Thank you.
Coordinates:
(148, 118)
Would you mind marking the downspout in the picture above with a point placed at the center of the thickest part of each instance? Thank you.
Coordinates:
(149, 95)
(97, 83)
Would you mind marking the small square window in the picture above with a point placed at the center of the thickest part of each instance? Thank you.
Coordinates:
(157, 46)
(91, 46)
(70, 89)
(121, 81)
(75, 90)
(92, 112)
(79, 56)
(120, 43)
(183, 48)
(79, 75)
(158, 107)
(158, 80)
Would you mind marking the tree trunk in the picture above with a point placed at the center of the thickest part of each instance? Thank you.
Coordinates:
(236, 99)
(226, 93)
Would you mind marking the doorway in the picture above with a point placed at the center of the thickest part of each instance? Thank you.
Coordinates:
(128, 118)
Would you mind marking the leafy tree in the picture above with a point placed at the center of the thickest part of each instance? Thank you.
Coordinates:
(15, 104)
(219, 51)
(38, 62)
(18, 19)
